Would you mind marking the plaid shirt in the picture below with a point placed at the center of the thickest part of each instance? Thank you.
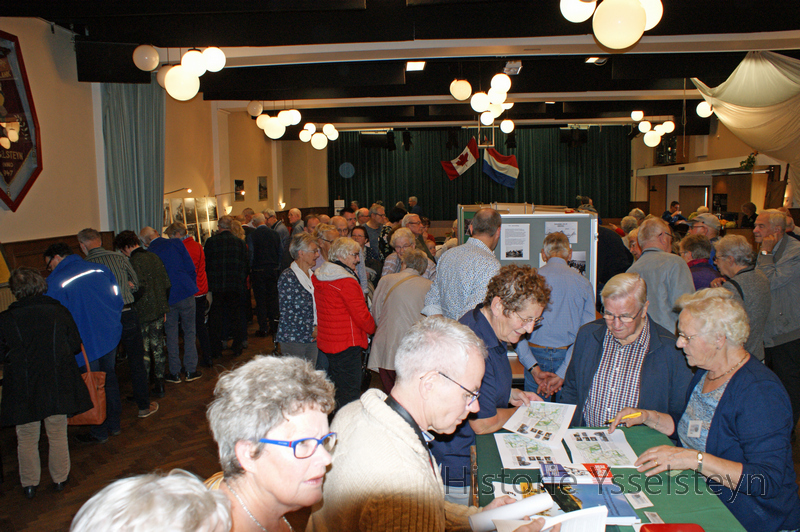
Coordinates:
(227, 263)
(616, 383)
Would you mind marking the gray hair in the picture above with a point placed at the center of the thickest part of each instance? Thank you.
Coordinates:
(177, 502)
(176, 227)
(650, 230)
(259, 219)
(300, 242)
(702, 209)
(737, 247)
(556, 245)
(402, 232)
(629, 223)
(341, 247)
(148, 234)
(698, 245)
(363, 211)
(373, 209)
(268, 213)
(256, 397)
(623, 285)
(717, 313)
(415, 260)
(776, 218)
(486, 222)
(25, 282)
(412, 198)
(637, 213)
(436, 344)
(225, 222)
(408, 218)
(88, 235)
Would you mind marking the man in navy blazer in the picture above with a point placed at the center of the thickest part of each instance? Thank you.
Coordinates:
(624, 359)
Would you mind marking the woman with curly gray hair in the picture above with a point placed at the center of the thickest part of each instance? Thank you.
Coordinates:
(513, 306)
(269, 418)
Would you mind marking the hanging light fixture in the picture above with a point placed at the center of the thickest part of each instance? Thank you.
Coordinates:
(305, 135)
(162, 74)
(319, 141)
(618, 24)
(501, 82)
(669, 126)
(479, 102)
(285, 117)
(274, 129)
(652, 139)
(495, 109)
(497, 96)
(193, 62)
(653, 10)
(704, 109)
(506, 126)
(460, 89)
(328, 130)
(295, 116)
(577, 10)
(214, 59)
(145, 57)
(487, 118)
(644, 126)
(637, 116)
(261, 121)
(254, 108)
(310, 127)
(180, 84)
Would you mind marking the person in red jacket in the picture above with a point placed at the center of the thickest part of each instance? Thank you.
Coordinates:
(344, 321)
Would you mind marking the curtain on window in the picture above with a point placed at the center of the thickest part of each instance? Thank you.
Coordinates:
(550, 172)
(133, 132)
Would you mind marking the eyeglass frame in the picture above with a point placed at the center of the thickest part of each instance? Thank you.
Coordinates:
(294, 443)
(688, 339)
(622, 318)
(474, 395)
(537, 321)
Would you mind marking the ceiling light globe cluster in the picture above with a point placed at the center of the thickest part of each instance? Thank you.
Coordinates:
(617, 24)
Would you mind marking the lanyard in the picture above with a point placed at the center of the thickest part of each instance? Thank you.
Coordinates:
(403, 413)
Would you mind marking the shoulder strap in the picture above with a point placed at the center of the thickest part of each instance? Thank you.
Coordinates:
(738, 287)
(395, 286)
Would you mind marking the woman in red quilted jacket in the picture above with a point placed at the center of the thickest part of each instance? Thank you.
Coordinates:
(344, 321)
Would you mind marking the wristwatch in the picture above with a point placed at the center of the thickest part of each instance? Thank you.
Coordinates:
(699, 462)
(764, 252)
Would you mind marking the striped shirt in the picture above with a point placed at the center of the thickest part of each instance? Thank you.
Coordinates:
(121, 267)
(616, 383)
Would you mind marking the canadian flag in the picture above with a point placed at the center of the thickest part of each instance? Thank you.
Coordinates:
(461, 164)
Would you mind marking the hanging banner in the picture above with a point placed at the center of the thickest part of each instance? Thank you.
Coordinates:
(20, 145)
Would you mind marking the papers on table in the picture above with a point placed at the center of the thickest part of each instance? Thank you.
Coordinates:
(598, 446)
(521, 452)
(547, 422)
(576, 474)
(587, 520)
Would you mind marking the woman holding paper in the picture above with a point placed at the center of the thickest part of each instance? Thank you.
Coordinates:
(737, 423)
(515, 299)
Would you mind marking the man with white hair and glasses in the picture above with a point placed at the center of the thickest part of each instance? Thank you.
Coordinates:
(624, 359)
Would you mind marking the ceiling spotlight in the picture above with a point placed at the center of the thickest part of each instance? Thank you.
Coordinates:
(512, 68)
(479, 102)
(506, 126)
(644, 126)
(577, 10)
(652, 139)
(460, 89)
(501, 82)
(193, 62)
(637, 116)
(487, 118)
(254, 108)
(214, 58)
(305, 135)
(618, 24)
(180, 84)
(145, 57)
(704, 109)
(319, 141)
(415, 66)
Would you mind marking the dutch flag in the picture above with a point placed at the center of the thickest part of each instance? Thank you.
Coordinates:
(501, 168)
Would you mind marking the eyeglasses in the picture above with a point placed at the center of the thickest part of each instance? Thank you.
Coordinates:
(326, 240)
(470, 396)
(305, 447)
(354, 254)
(687, 339)
(413, 223)
(624, 319)
(527, 321)
(668, 234)
(48, 263)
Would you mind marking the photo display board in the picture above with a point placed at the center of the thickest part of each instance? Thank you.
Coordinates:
(198, 214)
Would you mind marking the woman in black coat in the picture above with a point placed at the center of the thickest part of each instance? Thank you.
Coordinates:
(41, 379)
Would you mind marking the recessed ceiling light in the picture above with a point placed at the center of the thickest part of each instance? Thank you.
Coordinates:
(412, 66)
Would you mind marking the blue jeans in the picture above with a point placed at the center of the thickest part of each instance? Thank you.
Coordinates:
(182, 312)
(106, 363)
(549, 360)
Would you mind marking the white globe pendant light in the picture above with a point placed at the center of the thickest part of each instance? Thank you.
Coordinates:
(460, 89)
(479, 102)
(305, 135)
(333, 136)
(193, 62)
(254, 108)
(577, 10)
(618, 24)
(328, 129)
(310, 127)
(214, 59)
(495, 109)
(652, 139)
(261, 121)
(145, 57)
(180, 84)
(497, 96)
(704, 109)
(659, 129)
(162, 74)
(285, 117)
(295, 116)
(669, 126)
(653, 10)
(487, 118)
(637, 116)
(507, 105)
(501, 82)
(506, 126)
(274, 128)
(319, 141)
(644, 126)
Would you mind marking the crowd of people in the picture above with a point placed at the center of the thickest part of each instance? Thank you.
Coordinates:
(698, 336)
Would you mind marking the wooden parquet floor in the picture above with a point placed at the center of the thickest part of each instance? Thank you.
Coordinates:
(177, 436)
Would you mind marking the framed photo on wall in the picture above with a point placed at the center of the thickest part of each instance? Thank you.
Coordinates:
(262, 188)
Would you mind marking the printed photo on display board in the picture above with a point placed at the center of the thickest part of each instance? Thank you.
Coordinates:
(167, 214)
(177, 211)
(207, 229)
(189, 211)
(191, 229)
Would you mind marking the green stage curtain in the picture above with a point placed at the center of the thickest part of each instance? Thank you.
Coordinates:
(133, 133)
(550, 172)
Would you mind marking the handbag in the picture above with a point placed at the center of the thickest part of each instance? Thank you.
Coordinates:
(96, 383)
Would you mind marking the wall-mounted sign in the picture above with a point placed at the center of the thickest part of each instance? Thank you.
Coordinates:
(20, 145)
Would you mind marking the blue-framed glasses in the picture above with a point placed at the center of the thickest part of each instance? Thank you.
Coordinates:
(305, 447)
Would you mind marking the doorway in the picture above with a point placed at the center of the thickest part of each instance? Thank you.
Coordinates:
(692, 197)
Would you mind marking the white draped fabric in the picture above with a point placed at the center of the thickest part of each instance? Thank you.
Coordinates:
(760, 104)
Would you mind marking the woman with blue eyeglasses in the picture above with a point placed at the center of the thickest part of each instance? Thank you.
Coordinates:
(513, 306)
(269, 418)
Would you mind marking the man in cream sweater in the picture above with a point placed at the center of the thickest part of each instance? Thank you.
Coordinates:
(383, 477)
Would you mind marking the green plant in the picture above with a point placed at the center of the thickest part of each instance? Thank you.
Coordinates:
(749, 163)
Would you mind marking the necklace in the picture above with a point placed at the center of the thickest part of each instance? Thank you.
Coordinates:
(733, 368)
(247, 511)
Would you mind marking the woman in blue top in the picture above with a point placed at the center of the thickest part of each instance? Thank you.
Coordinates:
(513, 306)
(736, 427)
(297, 328)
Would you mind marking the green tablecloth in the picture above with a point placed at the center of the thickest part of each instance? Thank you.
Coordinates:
(684, 498)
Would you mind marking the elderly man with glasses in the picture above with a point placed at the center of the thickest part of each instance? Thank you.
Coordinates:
(624, 359)
(666, 274)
